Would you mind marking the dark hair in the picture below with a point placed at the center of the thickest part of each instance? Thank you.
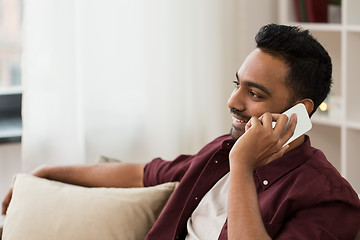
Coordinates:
(309, 63)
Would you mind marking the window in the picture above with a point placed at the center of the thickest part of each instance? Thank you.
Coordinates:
(10, 72)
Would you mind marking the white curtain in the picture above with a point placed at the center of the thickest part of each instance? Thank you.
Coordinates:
(128, 79)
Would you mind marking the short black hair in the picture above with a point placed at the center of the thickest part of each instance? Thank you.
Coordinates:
(310, 66)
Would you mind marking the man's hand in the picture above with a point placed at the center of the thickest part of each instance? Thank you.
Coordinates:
(261, 143)
(6, 202)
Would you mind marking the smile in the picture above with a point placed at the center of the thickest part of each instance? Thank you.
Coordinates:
(239, 120)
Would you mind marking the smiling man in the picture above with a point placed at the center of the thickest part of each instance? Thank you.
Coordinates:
(247, 184)
(260, 87)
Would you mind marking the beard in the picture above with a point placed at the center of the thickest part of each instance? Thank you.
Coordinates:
(236, 133)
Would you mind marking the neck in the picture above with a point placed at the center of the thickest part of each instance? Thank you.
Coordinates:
(297, 142)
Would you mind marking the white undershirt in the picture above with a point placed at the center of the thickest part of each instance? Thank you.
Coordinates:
(210, 215)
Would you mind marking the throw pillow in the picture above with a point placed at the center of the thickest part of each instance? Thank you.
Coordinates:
(42, 209)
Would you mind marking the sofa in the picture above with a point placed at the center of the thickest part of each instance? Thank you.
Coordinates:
(42, 209)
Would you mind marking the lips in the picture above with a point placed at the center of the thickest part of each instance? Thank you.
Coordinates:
(239, 123)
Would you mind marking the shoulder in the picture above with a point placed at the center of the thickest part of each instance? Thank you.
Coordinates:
(323, 181)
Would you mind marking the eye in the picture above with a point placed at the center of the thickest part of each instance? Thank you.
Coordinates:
(255, 95)
(237, 84)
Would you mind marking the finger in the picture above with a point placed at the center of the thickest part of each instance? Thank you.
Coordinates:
(290, 129)
(266, 120)
(5, 203)
(3, 209)
(252, 122)
(276, 116)
(281, 122)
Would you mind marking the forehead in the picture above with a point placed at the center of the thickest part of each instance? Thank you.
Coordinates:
(264, 69)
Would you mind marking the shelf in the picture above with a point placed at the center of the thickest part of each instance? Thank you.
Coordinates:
(325, 120)
(331, 122)
(353, 125)
(10, 90)
(353, 28)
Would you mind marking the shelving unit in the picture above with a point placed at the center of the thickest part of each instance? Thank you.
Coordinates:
(10, 114)
(338, 136)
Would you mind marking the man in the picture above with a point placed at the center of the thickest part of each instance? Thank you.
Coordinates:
(247, 185)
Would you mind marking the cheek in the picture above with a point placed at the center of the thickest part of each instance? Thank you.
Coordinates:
(257, 109)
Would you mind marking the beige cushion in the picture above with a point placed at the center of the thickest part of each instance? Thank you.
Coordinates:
(43, 209)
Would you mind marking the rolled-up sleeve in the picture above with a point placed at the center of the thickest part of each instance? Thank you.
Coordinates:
(160, 171)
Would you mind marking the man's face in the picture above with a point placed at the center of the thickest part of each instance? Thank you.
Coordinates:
(260, 87)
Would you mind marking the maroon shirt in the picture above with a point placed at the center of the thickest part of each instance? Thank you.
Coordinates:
(301, 195)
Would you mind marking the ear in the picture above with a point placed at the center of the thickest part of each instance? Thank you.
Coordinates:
(309, 104)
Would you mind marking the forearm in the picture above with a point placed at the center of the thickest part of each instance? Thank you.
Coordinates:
(98, 175)
(244, 217)
(258, 146)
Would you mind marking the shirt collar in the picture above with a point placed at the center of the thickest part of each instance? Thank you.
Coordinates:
(271, 172)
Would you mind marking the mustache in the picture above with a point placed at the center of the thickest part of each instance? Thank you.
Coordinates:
(239, 113)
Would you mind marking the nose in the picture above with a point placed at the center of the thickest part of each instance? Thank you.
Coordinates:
(236, 100)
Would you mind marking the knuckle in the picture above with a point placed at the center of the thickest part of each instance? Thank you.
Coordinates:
(284, 117)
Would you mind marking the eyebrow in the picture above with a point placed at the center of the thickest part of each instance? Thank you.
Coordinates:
(254, 84)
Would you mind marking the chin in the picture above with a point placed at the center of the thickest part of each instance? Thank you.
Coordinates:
(236, 133)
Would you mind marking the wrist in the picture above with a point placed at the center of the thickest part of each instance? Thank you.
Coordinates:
(241, 167)
(242, 164)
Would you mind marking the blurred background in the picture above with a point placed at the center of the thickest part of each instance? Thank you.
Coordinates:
(140, 79)
(132, 80)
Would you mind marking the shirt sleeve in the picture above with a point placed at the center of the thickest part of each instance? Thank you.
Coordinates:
(325, 221)
(160, 171)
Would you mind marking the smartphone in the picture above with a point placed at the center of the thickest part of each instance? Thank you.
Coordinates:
(303, 124)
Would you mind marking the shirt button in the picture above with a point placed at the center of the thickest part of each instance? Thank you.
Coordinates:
(216, 161)
(265, 182)
(196, 198)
